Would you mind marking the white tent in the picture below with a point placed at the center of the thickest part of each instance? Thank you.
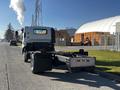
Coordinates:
(104, 25)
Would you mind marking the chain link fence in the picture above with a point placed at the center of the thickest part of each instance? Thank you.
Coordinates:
(108, 42)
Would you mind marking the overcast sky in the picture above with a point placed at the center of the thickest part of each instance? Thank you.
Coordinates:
(61, 13)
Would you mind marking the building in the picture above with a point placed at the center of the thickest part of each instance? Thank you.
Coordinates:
(97, 32)
(64, 37)
(94, 38)
(71, 32)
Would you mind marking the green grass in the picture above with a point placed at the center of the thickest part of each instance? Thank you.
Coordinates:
(107, 61)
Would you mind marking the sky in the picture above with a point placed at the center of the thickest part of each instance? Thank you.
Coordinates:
(60, 13)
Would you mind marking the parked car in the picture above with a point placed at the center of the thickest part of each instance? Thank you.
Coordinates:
(13, 43)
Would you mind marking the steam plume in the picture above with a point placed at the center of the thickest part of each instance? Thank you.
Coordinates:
(19, 7)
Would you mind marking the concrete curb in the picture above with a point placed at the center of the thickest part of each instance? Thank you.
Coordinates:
(108, 76)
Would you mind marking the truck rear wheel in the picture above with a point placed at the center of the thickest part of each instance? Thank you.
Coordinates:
(40, 63)
(34, 66)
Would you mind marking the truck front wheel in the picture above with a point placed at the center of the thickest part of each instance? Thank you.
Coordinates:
(25, 57)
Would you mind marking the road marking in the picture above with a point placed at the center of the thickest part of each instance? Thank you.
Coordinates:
(7, 76)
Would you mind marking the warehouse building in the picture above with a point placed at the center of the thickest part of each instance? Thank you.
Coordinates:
(64, 37)
(99, 32)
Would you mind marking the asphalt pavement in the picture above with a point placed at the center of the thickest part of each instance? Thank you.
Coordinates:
(16, 75)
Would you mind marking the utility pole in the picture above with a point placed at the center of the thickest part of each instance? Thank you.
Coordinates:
(33, 21)
(38, 13)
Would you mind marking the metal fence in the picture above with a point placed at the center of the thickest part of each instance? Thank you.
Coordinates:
(108, 42)
(117, 41)
(67, 48)
(112, 44)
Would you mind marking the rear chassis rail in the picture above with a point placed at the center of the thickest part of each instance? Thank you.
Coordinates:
(75, 60)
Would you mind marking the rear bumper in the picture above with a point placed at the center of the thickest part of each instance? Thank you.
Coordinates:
(82, 62)
(78, 61)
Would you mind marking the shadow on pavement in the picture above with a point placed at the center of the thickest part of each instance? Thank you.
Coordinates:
(84, 78)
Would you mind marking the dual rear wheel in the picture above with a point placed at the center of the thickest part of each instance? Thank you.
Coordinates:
(40, 63)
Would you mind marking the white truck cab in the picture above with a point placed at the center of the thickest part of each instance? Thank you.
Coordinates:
(38, 34)
(37, 38)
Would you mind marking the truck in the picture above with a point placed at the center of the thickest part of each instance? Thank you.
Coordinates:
(38, 47)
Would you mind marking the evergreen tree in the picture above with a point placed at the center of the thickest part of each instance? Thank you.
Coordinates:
(9, 34)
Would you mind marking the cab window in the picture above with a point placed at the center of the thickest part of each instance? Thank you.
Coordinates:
(40, 31)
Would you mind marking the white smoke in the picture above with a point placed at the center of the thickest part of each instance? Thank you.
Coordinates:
(19, 7)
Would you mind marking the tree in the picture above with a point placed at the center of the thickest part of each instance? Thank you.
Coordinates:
(9, 34)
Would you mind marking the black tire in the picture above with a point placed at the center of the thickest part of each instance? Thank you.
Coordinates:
(40, 63)
(34, 65)
(25, 57)
(86, 53)
(81, 51)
